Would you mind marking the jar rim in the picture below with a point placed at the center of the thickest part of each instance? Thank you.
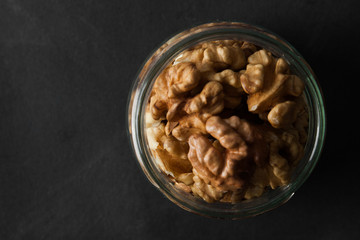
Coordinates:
(154, 64)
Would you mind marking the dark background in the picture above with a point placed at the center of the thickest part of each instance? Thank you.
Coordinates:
(66, 167)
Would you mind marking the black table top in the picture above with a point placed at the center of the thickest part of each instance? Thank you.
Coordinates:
(66, 167)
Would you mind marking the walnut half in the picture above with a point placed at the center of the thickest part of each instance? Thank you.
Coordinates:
(228, 170)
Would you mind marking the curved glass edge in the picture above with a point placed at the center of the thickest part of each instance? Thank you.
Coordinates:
(292, 187)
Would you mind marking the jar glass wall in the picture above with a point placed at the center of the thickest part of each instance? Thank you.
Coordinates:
(154, 65)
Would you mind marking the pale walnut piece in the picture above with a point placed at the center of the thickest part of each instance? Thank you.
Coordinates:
(206, 191)
(173, 82)
(285, 152)
(215, 55)
(175, 147)
(253, 78)
(269, 85)
(210, 100)
(283, 114)
(226, 76)
(167, 150)
(232, 89)
(184, 182)
(261, 57)
(260, 64)
(276, 87)
(159, 102)
(189, 125)
(182, 78)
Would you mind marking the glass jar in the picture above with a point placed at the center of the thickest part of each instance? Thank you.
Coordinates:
(139, 97)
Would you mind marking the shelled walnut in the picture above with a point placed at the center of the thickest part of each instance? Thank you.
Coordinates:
(226, 120)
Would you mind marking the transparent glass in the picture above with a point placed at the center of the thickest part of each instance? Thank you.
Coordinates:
(139, 96)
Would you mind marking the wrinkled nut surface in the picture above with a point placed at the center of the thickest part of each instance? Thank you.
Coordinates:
(229, 169)
(215, 55)
(210, 100)
(227, 120)
(182, 78)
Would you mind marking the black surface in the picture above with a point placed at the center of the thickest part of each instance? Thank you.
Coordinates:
(66, 168)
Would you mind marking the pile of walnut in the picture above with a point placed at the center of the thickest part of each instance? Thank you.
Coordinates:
(226, 120)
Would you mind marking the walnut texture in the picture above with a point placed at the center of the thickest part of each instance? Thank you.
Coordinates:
(226, 120)
(227, 170)
(271, 87)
